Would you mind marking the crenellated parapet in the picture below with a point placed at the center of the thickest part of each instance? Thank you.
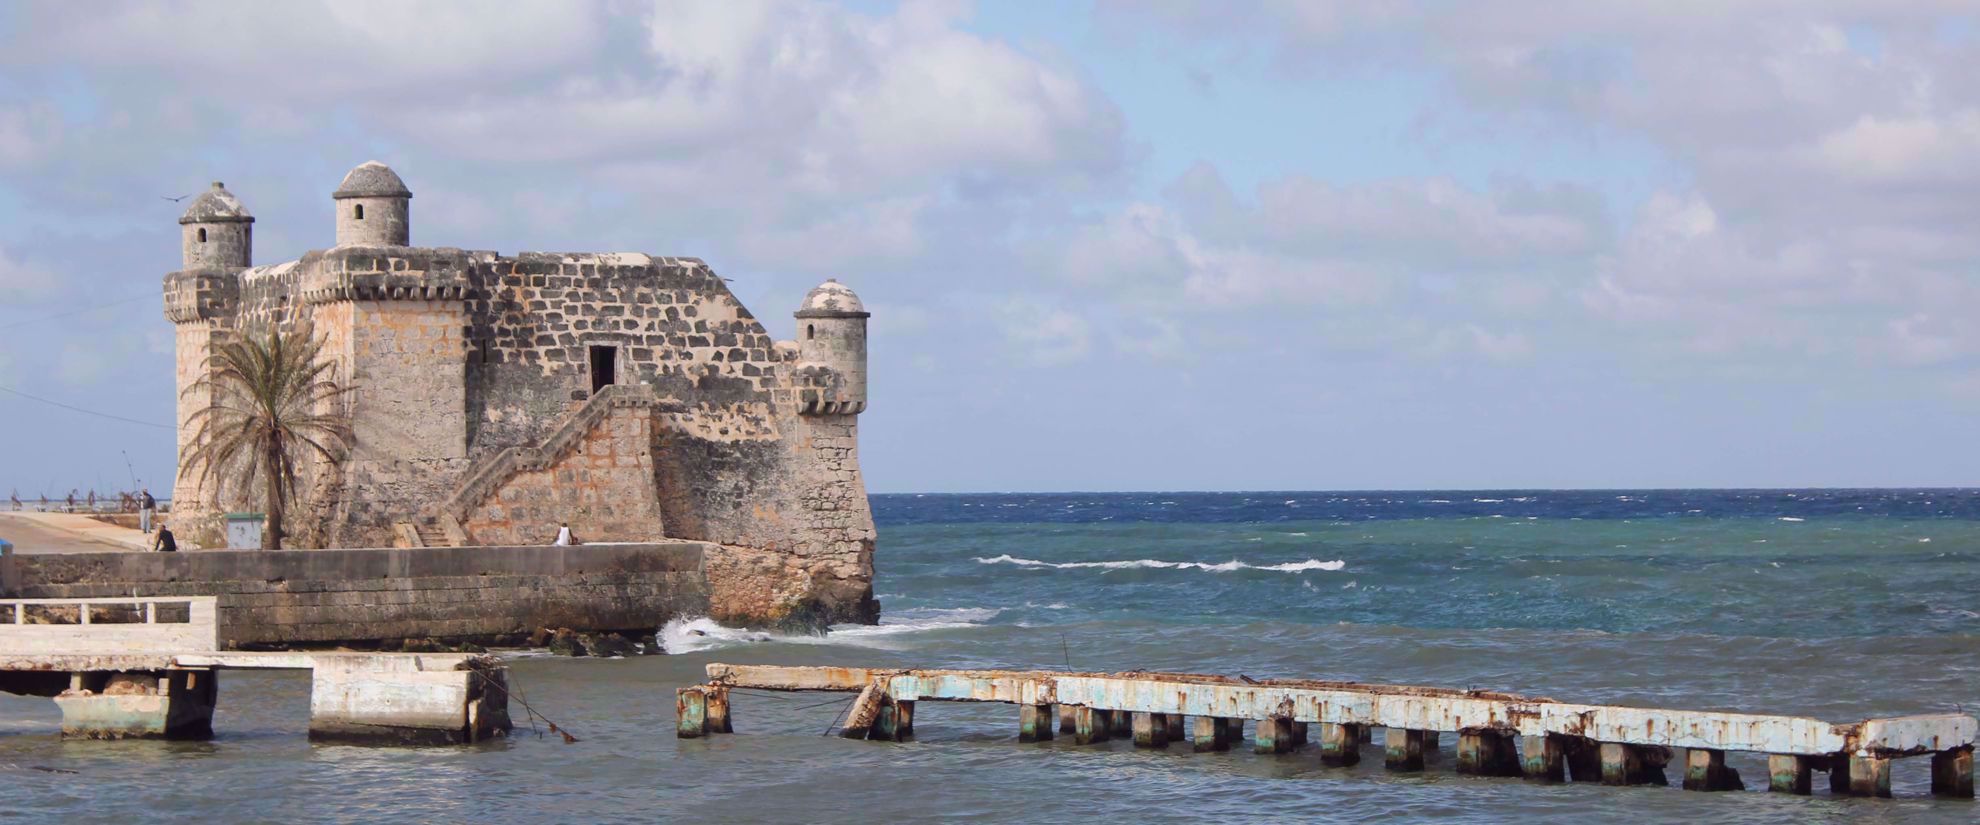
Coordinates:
(388, 274)
(201, 295)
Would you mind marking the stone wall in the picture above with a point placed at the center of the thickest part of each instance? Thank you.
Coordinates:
(284, 597)
(601, 485)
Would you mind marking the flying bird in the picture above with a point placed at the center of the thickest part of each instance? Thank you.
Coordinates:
(177, 199)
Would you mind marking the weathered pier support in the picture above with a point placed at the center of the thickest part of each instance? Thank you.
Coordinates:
(1705, 769)
(1787, 773)
(1634, 764)
(1487, 752)
(1340, 743)
(1952, 773)
(1274, 735)
(1498, 734)
(1035, 723)
(1151, 730)
(168, 704)
(1543, 758)
(1403, 750)
(1092, 725)
(1869, 775)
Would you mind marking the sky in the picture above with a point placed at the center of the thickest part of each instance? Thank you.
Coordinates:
(1149, 245)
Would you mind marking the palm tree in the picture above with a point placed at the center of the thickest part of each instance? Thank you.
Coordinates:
(274, 405)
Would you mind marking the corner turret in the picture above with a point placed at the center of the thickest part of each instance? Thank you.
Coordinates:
(216, 233)
(374, 207)
(832, 351)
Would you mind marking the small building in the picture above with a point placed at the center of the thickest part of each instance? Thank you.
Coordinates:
(628, 395)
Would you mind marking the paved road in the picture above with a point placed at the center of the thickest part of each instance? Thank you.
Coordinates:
(28, 536)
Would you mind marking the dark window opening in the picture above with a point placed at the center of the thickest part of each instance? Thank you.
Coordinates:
(807, 332)
(604, 367)
(202, 236)
(359, 211)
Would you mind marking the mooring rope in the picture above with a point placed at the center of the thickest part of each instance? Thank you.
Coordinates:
(568, 738)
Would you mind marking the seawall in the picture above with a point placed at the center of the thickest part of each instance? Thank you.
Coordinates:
(313, 597)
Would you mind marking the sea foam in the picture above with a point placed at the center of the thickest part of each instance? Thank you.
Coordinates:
(1133, 564)
(698, 633)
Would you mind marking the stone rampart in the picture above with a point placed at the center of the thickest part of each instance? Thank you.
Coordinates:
(286, 597)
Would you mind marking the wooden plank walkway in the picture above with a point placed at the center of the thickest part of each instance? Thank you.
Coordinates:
(1498, 733)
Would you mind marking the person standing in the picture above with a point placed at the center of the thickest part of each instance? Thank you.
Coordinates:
(146, 507)
(165, 543)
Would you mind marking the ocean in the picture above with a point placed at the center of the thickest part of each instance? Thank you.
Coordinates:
(1841, 604)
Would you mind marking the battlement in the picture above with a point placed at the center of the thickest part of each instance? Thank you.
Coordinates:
(201, 295)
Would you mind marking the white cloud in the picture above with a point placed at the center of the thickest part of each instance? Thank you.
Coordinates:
(1043, 334)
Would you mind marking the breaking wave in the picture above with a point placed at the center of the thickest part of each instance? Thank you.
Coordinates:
(699, 633)
(1225, 567)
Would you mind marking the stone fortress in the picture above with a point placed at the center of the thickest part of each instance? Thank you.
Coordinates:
(496, 396)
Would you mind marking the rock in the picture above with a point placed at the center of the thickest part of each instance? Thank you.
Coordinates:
(650, 645)
(610, 644)
(422, 646)
(541, 638)
(563, 642)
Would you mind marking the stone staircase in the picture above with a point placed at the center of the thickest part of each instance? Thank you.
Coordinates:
(491, 472)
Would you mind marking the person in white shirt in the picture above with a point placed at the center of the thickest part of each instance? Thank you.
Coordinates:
(564, 538)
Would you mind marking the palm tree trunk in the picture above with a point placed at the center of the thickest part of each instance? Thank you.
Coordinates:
(271, 538)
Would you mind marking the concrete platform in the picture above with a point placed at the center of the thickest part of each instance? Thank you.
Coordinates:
(153, 673)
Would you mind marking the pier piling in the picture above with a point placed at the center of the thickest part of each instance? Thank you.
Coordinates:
(1787, 773)
(1705, 770)
(1869, 775)
(1633, 764)
(1092, 725)
(1067, 722)
(1208, 734)
(1035, 723)
(1274, 736)
(1151, 730)
(886, 725)
(1121, 723)
(1952, 773)
(1543, 758)
(1484, 752)
(718, 710)
(1178, 728)
(1404, 750)
(690, 712)
(1340, 744)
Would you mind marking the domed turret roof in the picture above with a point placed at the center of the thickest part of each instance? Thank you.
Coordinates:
(831, 300)
(216, 205)
(372, 179)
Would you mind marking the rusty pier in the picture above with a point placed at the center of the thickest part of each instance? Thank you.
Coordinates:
(1498, 734)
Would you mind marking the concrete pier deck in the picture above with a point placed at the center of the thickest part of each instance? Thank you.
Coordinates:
(1497, 733)
(148, 667)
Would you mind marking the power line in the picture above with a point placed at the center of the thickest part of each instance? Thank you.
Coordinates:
(12, 391)
(59, 315)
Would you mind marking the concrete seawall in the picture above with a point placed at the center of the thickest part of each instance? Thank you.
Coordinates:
(279, 597)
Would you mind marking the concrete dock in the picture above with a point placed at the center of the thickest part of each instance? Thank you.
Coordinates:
(1497, 734)
(148, 667)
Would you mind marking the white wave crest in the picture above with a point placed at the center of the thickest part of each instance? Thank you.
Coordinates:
(698, 633)
(1223, 567)
(1792, 518)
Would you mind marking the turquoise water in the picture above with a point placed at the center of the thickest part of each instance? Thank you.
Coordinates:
(1837, 604)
